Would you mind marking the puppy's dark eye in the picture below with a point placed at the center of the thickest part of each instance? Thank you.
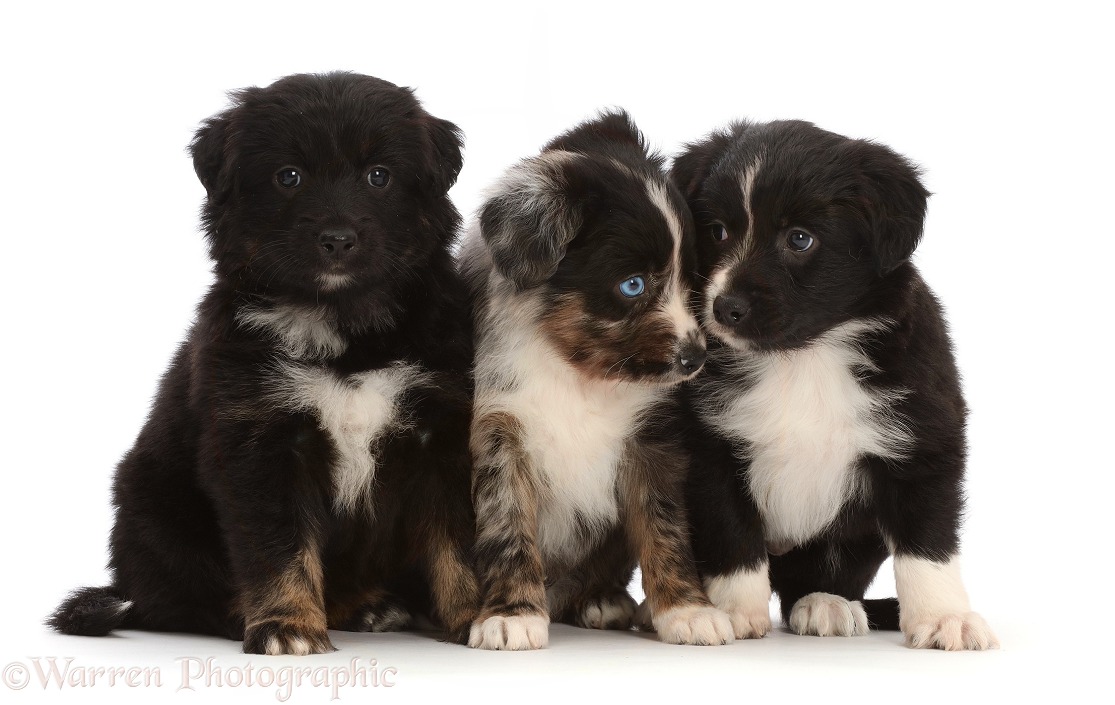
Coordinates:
(379, 177)
(288, 177)
(719, 232)
(635, 286)
(800, 241)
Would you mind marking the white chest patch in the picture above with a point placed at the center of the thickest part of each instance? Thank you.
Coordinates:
(807, 421)
(574, 430)
(575, 441)
(301, 332)
(355, 411)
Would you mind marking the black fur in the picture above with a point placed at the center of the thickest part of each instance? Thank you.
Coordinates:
(226, 521)
(863, 207)
(559, 238)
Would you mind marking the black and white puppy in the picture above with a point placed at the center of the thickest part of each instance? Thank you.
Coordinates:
(307, 455)
(830, 422)
(580, 266)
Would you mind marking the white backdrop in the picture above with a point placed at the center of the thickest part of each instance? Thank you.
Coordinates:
(1006, 107)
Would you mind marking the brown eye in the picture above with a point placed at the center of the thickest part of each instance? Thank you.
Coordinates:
(288, 177)
(719, 232)
(379, 177)
(799, 240)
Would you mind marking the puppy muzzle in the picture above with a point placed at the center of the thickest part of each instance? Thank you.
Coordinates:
(691, 356)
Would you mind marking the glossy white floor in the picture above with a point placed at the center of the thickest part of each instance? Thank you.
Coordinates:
(578, 664)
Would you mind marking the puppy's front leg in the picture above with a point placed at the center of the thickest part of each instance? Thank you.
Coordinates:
(272, 507)
(920, 518)
(651, 495)
(727, 537)
(449, 524)
(513, 615)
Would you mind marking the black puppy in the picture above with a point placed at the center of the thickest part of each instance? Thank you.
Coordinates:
(830, 421)
(307, 453)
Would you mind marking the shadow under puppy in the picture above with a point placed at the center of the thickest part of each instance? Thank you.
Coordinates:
(580, 268)
(308, 448)
(831, 426)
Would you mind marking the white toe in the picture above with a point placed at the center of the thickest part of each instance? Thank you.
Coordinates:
(517, 633)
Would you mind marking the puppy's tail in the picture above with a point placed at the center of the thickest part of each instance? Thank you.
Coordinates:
(91, 611)
(882, 614)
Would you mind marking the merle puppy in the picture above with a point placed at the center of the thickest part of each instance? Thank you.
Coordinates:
(581, 264)
(306, 456)
(830, 422)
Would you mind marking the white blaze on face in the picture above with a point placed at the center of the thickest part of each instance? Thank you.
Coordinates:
(747, 185)
(718, 278)
(676, 297)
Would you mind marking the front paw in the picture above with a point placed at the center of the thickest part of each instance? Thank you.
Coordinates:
(693, 624)
(513, 633)
(614, 611)
(750, 624)
(951, 632)
(822, 614)
(278, 638)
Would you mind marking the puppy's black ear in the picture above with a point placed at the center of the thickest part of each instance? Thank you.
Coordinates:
(895, 201)
(213, 146)
(210, 158)
(443, 153)
(529, 220)
(608, 130)
(690, 168)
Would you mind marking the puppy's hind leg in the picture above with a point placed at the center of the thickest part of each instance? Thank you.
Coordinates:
(594, 596)
(821, 586)
(377, 611)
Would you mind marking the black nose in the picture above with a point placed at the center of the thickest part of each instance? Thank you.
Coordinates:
(691, 356)
(730, 309)
(338, 242)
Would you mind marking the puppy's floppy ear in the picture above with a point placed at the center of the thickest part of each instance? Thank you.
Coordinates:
(895, 200)
(213, 146)
(690, 168)
(443, 153)
(608, 130)
(208, 152)
(529, 219)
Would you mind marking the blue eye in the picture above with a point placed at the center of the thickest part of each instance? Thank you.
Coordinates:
(800, 241)
(632, 287)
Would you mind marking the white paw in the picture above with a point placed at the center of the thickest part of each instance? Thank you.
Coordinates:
(289, 645)
(951, 632)
(822, 614)
(519, 633)
(702, 626)
(611, 612)
(750, 624)
(745, 596)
